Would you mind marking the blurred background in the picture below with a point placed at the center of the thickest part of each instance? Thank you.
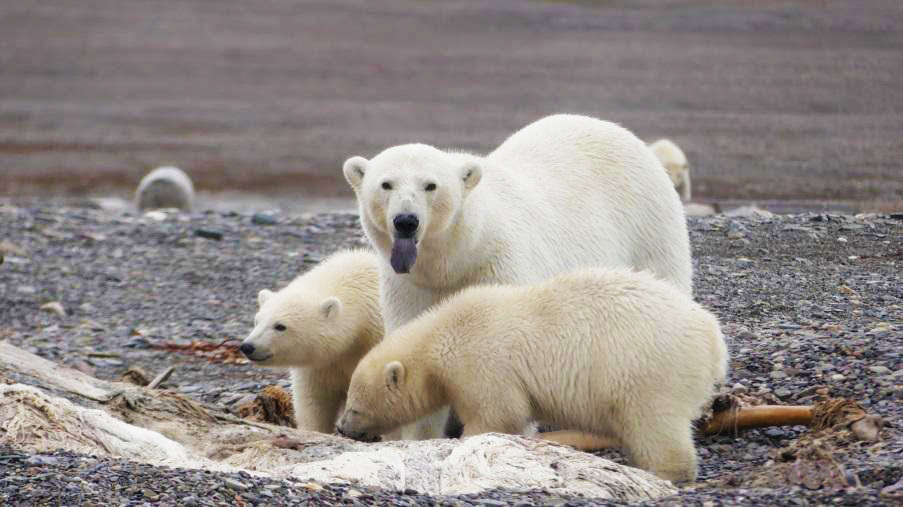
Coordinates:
(789, 104)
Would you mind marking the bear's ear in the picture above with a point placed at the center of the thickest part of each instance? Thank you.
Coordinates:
(394, 373)
(354, 169)
(263, 295)
(331, 307)
(471, 173)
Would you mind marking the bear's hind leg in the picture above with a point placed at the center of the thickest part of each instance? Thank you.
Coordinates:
(661, 445)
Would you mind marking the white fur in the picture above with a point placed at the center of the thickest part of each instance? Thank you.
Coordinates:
(165, 187)
(331, 317)
(564, 192)
(609, 351)
(675, 163)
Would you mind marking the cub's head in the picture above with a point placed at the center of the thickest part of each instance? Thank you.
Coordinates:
(410, 193)
(380, 398)
(295, 328)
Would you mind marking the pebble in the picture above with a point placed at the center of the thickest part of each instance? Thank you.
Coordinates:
(157, 216)
(209, 234)
(232, 483)
(837, 377)
(879, 370)
(265, 218)
(783, 393)
(54, 307)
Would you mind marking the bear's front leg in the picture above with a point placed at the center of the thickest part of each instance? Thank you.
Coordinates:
(510, 416)
(316, 405)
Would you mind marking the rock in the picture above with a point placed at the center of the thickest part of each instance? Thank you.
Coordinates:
(879, 370)
(54, 307)
(209, 234)
(26, 289)
(156, 215)
(165, 187)
(264, 218)
(783, 393)
(8, 247)
(111, 204)
(749, 211)
(236, 485)
(837, 377)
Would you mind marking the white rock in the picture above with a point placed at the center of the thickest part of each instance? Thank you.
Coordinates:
(54, 307)
(165, 187)
(156, 215)
(749, 211)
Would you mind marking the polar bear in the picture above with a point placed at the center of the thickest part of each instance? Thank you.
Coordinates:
(165, 187)
(319, 325)
(565, 192)
(675, 163)
(608, 351)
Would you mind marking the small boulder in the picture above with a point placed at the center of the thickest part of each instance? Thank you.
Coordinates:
(165, 187)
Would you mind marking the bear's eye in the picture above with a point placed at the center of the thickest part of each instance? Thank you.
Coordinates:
(279, 327)
(430, 187)
(386, 185)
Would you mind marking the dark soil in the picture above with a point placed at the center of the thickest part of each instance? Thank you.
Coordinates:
(780, 100)
(811, 305)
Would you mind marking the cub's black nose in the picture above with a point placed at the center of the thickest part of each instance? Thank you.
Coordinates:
(406, 224)
(247, 349)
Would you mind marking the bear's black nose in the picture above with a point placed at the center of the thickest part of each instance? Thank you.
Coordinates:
(247, 349)
(406, 224)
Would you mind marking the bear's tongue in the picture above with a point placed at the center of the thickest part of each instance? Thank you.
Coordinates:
(404, 254)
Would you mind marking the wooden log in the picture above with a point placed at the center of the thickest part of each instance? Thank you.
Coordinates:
(760, 416)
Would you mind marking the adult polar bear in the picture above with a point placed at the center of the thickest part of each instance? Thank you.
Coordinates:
(564, 192)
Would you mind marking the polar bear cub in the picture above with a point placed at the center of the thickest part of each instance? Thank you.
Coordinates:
(319, 325)
(675, 163)
(612, 352)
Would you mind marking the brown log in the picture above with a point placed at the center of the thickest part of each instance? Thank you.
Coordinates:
(760, 416)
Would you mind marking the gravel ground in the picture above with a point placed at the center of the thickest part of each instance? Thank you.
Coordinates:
(811, 304)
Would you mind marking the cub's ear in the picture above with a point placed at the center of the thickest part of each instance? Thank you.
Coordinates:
(263, 295)
(394, 373)
(471, 173)
(331, 307)
(354, 169)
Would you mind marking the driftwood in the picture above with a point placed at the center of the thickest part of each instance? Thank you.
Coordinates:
(760, 416)
(44, 406)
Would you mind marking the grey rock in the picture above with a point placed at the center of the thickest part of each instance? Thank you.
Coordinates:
(265, 218)
(209, 234)
(165, 187)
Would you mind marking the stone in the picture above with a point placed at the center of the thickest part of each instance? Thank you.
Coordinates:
(209, 234)
(264, 218)
(749, 211)
(54, 307)
(165, 187)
